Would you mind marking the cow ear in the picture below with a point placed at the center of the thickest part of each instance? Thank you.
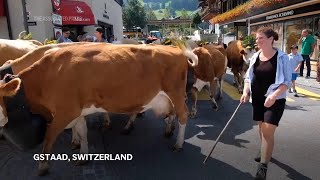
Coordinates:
(242, 52)
(10, 88)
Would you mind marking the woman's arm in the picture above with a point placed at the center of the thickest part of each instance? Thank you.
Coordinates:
(287, 73)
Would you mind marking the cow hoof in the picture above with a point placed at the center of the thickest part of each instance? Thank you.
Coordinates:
(108, 127)
(193, 115)
(42, 172)
(75, 146)
(176, 149)
(140, 115)
(168, 134)
(43, 168)
(215, 108)
(81, 162)
(127, 131)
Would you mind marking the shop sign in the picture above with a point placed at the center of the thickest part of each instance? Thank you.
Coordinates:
(56, 4)
(33, 23)
(280, 15)
(292, 12)
(57, 32)
(104, 14)
(56, 19)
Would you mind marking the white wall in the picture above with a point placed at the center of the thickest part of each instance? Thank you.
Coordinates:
(40, 11)
(16, 17)
(4, 33)
(114, 11)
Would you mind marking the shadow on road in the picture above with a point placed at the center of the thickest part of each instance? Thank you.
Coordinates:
(214, 122)
(292, 173)
(153, 159)
(296, 107)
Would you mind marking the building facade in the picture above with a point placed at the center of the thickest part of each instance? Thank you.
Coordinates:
(289, 22)
(239, 18)
(45, 18)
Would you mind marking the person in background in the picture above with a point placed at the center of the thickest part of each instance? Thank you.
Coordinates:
(308, 44)
(295, 60)
(80, 38)
(100, 37)
(111, 39)
(266, 83)
(89, 38)
(65, 36)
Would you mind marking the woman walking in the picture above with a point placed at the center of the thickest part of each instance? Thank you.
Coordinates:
(266, 84)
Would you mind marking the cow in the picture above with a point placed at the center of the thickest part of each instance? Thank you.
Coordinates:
(156, 75)
(209, 73)
(12, 49)
(194, 84)
(18, 64)
(238, 61)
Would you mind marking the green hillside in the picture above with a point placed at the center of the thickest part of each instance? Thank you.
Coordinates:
(176, 7)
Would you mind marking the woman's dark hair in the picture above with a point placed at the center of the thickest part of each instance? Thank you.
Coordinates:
(101, 30)
(65, 29)
(269, 32)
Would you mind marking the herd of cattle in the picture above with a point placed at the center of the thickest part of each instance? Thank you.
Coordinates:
(65, 82)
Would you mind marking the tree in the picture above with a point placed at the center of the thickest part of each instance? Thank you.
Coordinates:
(151, 15)
(134, 15)
(166, 13)
(196, 19)
(184, 14)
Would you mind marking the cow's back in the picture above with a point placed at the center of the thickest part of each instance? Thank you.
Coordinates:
(121, 77)
(218, 59)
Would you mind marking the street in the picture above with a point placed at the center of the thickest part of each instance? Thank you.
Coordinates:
(296, 154)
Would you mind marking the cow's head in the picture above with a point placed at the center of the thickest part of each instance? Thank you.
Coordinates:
(246, 54)
(8, 89)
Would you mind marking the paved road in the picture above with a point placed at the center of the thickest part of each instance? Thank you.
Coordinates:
(296, 154)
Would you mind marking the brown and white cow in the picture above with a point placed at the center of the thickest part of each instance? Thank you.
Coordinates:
(209, 73)
(238, 61)
(19, 64)
(156, 75)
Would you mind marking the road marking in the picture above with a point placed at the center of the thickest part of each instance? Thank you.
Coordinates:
(227, 88)
(289, 99)
(233, 93)
(308, 94)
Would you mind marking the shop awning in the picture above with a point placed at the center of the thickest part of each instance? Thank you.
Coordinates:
(75, 13)
(2, 8)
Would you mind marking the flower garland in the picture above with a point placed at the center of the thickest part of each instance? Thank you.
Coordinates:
(246, 9)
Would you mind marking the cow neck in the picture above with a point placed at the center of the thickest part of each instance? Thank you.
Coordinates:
(28, 59)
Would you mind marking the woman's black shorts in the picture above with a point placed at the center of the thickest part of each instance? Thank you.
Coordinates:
(271, 115)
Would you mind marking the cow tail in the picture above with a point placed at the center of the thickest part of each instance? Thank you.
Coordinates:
(187, 51)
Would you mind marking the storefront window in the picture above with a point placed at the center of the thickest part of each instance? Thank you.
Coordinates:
(228, 33)
(293, 31)
(242, 32)
(316, 30)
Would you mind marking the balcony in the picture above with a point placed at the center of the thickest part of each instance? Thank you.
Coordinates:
(209, 9)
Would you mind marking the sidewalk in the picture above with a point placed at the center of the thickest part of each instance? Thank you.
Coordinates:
(303, 82)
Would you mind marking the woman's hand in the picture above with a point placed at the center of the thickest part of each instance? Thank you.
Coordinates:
(244, 98)
(270, 100)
